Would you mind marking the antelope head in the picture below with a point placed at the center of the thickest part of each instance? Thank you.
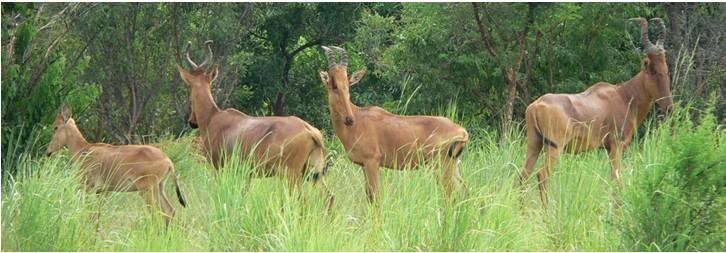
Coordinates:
(657, 82)
(338, 84)
(62, 130)
(199, 77)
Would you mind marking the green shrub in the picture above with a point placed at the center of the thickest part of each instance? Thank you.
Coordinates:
(676, 204)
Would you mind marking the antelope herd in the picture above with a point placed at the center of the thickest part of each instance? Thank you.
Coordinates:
(604, 115)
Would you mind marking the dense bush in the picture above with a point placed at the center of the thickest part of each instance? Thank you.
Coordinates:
(677, 203)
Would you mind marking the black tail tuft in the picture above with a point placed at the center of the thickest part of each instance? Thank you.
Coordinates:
(453, 153)
(180, 196)
(318, 175)
(545, 140)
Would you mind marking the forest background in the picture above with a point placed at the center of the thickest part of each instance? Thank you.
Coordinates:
(479, 64)
(115, 63)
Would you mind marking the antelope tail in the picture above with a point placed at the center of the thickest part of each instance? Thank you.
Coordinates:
(532, 115)
(179, 194)
(455, 149)
(544, 139)
(316, 159)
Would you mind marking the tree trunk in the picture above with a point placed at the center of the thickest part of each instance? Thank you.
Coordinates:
(675, 38)
(278, 107)
(511, 77)
(510, 67)
(279, 104)
(513, 68)
(528, 69)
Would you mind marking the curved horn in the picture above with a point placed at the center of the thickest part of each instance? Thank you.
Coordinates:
(189, 59)
(344, 56)
(644, 33)
(661, 36)
(331, 56)
(210, 55)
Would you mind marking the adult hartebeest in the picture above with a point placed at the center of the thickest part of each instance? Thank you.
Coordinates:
(604, 115)
(374, 137)
(123, 168)
(286, 146)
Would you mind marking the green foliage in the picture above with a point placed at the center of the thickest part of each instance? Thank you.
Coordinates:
(284, 75)
(117, 66)
(25, 33)
(438, 48)
(677, 203)
(35, 83)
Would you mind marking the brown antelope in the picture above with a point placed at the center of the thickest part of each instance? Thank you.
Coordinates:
(373, 137)
(285, 146)
(604, 115)
(122, 168)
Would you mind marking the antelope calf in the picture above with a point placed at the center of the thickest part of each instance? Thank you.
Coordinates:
(285, 146)
(604, 115)
(373, 137)
(123, 168)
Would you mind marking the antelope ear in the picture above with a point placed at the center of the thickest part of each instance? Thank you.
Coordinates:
(357, 76)
(183, 73)
(65, 112)
(324, 77)
(213, 73)
(646, 65)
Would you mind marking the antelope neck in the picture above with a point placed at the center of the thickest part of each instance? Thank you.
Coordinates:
(76, 141)
(204, 106)
(633, 92)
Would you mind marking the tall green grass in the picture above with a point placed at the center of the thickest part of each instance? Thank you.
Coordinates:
(45, 208)
(18, 146)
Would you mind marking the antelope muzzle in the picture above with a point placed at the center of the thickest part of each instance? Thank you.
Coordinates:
(349, 121)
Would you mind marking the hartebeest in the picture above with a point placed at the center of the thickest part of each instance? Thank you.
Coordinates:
(122, 168)
(286, 146)
(604, 115)
(374, 137)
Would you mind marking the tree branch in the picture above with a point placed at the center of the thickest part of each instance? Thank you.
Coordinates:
(523, 37)
(488, 42)
(259, 36)
(304, 46)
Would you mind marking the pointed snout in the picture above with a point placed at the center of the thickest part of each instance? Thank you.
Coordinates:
(665, 107)
(349, 121)
(663, 112)
(191, 120)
